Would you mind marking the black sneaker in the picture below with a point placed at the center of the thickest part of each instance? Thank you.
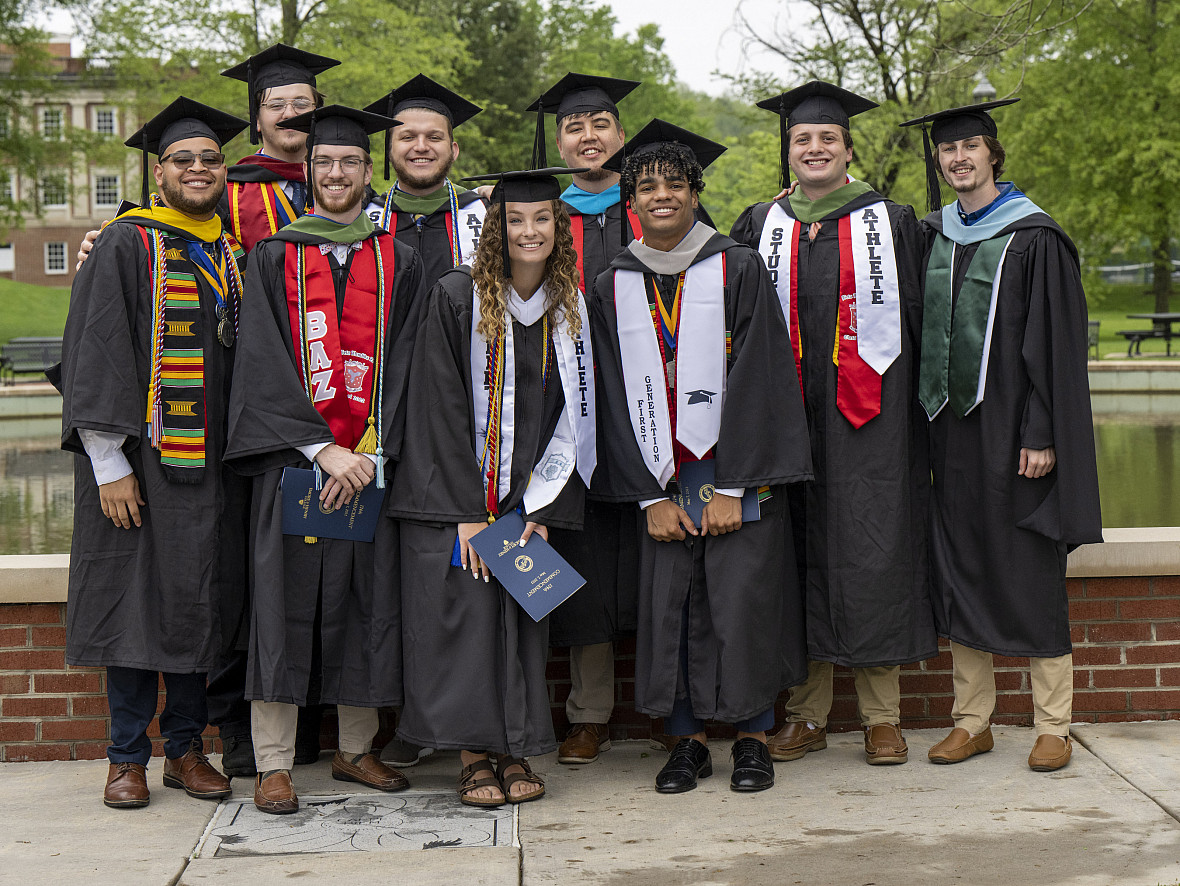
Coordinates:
(237, 756)
(401, 754)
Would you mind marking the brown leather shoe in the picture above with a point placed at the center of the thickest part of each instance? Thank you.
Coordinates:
(796, 739)
(275, 793)
(126, 786)
(583, 743)
(196, 775)
(960, 745)
(884, 745)
(1051, 752)
(368, 769)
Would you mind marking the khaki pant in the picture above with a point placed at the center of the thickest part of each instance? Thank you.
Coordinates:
(878, 695)
(975, 691)
(273, 724)
(592, 683)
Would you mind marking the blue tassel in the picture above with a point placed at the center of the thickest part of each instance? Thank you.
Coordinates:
(319, 478)
(456, 560)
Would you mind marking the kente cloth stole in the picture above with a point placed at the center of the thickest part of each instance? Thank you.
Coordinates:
(699, 381)
(463, 237)
(578, 229)
(257, 210)
(868, 329)
(341, 359)
(176, 397)
(957, 333)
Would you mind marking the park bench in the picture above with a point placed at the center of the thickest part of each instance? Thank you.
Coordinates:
(1135, 337)
(1092, 327)
(28, 355)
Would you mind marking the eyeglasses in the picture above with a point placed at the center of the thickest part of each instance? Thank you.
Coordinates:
(211, 160)
(278, 105)
(349, 165)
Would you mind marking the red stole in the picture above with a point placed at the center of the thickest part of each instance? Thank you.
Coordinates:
(335, 357)
(858, 386)
(578, 229)
(257, 210)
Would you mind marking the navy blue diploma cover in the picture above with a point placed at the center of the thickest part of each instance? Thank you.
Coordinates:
(536, 576)
(696, 491)
(304, 515)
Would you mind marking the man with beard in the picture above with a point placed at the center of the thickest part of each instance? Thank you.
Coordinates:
(424, 209)
(159, 522)
(327, 336)
(720, 613)
(1003, 380)
(845, 261)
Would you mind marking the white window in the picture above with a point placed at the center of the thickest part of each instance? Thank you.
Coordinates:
(104, 121)
(55, 257)
(52, 123)
(54, 194)
(7, 258)
(106, 190)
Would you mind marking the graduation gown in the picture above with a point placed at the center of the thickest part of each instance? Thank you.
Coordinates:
(333, 602)
(474, 660)
(998, 541)
(740, 590)
(429, 237)
(162, 596)
(863, 538)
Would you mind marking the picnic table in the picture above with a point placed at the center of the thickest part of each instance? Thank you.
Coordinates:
(1161, 327)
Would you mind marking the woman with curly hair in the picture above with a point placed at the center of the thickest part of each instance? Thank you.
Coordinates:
(500, 418)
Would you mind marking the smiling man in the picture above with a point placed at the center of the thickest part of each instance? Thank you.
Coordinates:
(327, 337)
(845, 261)
(695, 375)
(1003, 380)
(158, 541)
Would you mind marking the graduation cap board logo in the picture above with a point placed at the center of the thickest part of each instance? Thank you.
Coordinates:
(277, 65)
(949, 126)
(700, 396)
(816, 102)
(422, 92)
(184, 118)
(576, 94)
(522, 186)
(337, 125)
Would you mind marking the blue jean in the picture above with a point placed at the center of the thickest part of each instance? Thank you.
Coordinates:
(132, 694)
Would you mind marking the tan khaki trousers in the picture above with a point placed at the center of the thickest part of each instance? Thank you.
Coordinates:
(592, 683)
(878, 695)
(975, 691)
(273, 725)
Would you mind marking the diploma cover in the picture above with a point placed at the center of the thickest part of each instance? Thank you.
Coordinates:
(304, 515)
(696, 491)
(536, 576)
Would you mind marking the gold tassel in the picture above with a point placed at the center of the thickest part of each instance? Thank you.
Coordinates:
(368, 444)
(310, 539)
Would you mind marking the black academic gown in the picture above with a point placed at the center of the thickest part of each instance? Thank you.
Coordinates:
(863, 538)
(428, 236)
(474, 660)
(161, 596)
(335, 601)
(745, 609)
(998, 541)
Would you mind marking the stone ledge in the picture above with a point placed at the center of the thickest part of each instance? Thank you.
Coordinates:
(34, 578)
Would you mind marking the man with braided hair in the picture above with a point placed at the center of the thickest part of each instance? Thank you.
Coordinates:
(720, 616)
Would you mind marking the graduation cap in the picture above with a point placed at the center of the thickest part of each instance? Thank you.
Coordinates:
(813, 102)
(422, 92)
(278, 65)
(523, 186)
(576, 94)
(182, 119)
(700, 396)
(337, 125)
(949, 126)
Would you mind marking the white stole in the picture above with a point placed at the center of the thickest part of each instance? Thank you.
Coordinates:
(468, 221)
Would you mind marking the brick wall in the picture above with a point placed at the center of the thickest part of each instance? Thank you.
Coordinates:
(1126, 633)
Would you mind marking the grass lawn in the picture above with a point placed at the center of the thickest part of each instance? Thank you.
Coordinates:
(26, 309)
(1118, 301)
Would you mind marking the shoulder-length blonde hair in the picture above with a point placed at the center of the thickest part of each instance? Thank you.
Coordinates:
(561, 274)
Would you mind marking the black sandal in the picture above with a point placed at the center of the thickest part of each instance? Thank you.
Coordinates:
(468, 782)
(507, 781)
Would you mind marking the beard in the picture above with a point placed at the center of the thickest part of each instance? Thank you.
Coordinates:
(407, 175)
(338, 201)
(176, 198)
(595, 175)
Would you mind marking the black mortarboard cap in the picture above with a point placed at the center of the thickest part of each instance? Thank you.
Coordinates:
(814, 102)
(278, 65)
(576, 94)
(949, 126)
(422, 92)
(522, 186)
(337, 125)
(182, 119)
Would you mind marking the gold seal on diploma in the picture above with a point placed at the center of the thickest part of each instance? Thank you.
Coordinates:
(706, 493)
(524, 563)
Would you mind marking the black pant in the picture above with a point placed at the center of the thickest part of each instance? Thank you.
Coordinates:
(132, 694)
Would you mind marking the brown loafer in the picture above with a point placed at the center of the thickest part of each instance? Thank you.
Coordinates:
(368, 769)
(274, 793)
(126, 786)
(196, 775)
(583, 743)
(884, 745)
(960, 745)
(1050, 752)
(796, 739)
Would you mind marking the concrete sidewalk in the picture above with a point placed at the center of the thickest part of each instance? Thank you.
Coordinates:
(1108, 818)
